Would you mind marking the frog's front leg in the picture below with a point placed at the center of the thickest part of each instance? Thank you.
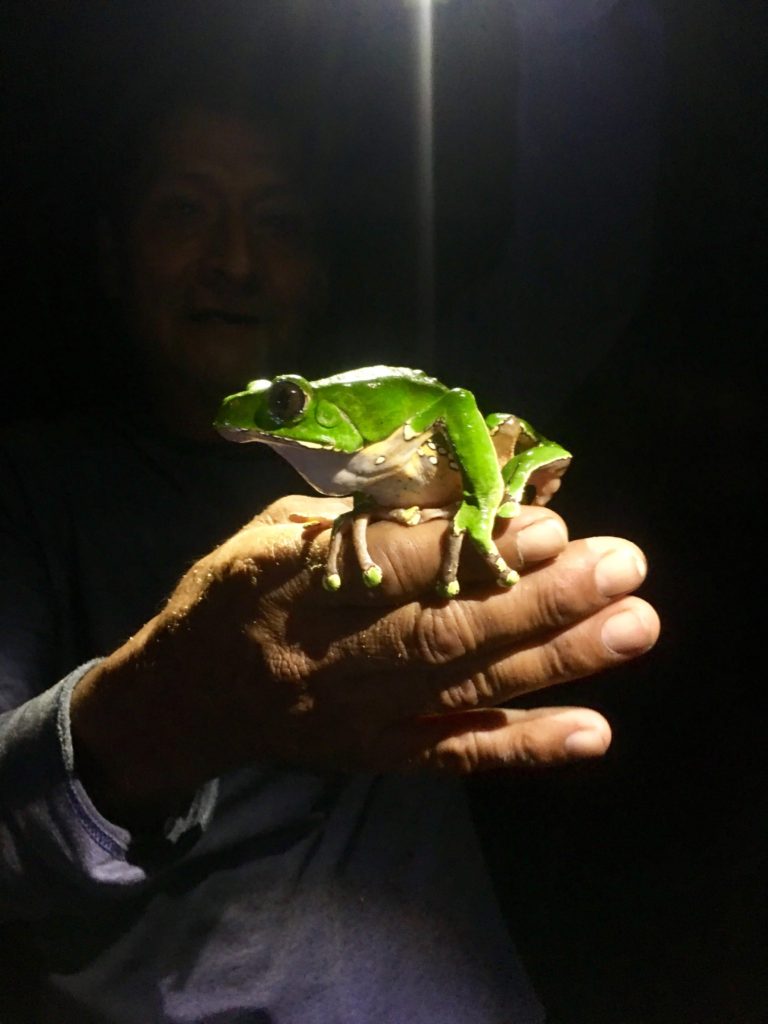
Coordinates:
(372, 573)
(357, 521)
(467, 433)
(332, 576)
(472, 520)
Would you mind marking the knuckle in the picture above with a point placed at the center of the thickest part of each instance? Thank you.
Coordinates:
(527, 751)
(565, 658)
(457, 755)
(471, 692)
(556, 660)
(283, 663)
(556, 602)
(443, 634)
(395, 571)
(276, 512)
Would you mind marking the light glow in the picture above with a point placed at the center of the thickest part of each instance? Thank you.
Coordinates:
(425, 181)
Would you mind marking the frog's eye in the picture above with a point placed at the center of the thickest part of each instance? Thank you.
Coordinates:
(286, 401)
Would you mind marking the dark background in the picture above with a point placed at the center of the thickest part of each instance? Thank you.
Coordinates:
(599, 216)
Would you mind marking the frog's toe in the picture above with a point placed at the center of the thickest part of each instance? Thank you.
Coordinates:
(509, 509)
(372, 576)
(505, 577)
(407, 516)
(508, 578)
(448, 588)
(332, 581)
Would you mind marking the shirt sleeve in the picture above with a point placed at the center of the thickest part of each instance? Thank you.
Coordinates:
(54, 843)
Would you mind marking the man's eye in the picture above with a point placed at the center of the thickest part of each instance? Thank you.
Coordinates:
(181, 209)
(281, 223)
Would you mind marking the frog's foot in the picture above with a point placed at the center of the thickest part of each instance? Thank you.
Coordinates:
(407, 516)
(505, 574)
(539, 468)
(415, 514)
(546, 480)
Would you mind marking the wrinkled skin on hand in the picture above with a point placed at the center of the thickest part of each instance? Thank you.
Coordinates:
(252, 660)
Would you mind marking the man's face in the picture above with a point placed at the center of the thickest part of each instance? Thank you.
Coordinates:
(220, 277)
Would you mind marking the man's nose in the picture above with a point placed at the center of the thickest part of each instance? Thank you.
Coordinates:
(231, 252)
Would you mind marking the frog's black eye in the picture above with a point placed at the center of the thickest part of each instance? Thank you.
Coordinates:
(286, 401)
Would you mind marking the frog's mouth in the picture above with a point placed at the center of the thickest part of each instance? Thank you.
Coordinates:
(238, 434)
(243, 435)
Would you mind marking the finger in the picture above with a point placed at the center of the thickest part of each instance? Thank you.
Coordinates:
(410, 556)
(624, 631)
(482, 740)
(301, 505)
(585, 578)
(589, 576)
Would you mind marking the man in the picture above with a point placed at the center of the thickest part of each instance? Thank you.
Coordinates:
(246, 809)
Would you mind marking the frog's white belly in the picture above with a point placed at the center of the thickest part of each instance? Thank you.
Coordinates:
(398, 472)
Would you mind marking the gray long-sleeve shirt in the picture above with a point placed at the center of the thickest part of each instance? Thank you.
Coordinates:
(282, 896)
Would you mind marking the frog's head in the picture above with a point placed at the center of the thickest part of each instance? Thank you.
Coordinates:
(287, 410)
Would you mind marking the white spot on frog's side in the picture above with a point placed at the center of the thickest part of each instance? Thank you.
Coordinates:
(431, 444)
(408, 432)
(394, 474)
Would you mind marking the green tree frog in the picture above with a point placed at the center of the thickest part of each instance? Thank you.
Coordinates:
(407, 448)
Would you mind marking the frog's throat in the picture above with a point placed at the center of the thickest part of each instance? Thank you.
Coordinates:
(324, 469)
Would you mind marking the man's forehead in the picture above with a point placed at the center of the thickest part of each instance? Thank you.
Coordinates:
(206, 142)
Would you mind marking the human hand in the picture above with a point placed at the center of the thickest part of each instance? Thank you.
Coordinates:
(251, 660)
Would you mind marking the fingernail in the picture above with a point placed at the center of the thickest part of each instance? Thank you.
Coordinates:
(543, 539)
(625, 633)
(586, 743)
(618, 572)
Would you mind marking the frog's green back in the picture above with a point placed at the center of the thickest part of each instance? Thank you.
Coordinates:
(365, 374)
(379, 399)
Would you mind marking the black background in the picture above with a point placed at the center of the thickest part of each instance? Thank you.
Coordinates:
(636, 885)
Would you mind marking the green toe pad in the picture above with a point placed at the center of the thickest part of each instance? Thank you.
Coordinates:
(373, 576)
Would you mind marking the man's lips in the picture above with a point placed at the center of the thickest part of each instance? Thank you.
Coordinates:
(231, 317)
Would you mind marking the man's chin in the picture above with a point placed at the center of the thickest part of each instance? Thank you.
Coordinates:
(224, 365)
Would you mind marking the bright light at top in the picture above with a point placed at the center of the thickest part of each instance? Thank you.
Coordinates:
(425, 113)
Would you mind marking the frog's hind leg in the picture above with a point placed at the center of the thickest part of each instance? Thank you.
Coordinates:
(469, 436)
(540, 465)
(506, 432)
